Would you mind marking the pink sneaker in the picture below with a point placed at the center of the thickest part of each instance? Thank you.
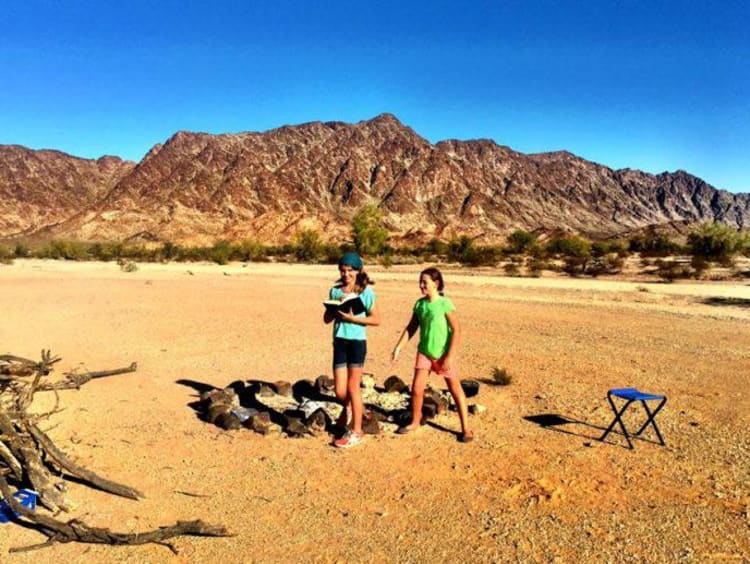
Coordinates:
(349, 439)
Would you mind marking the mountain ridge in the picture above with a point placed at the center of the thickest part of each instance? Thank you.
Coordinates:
(199, 187)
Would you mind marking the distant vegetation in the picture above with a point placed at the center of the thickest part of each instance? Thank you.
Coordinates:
(522, 254)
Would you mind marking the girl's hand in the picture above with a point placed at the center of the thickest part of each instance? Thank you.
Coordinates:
(447, 362)
(348, 317)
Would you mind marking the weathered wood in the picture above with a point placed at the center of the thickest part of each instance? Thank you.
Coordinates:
(75, 381)
(78, 531)
(61, 459)
(27, 455)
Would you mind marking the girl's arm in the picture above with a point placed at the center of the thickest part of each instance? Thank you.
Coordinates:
(455, 338)
(372, 318)
(408, 333)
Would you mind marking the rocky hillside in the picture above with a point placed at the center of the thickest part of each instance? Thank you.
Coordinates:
(198, 187)
(42, 188)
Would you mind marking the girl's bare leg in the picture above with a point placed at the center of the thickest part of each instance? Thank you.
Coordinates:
(417, 396)
(454, 386)
(355, 397)
(340, 387)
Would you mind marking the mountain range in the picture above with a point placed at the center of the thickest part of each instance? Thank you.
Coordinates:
(197, 188)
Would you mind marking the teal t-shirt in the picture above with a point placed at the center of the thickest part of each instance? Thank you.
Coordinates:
(352, 331)
(434, 329)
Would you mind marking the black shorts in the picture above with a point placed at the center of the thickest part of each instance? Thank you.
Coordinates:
(349, 353)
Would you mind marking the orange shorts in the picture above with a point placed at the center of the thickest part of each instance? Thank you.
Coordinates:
(424, 362)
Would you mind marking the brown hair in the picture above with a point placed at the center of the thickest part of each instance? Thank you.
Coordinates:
(436, 277)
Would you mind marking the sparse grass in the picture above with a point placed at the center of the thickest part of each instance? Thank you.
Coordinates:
(127, 265)
(501, 376)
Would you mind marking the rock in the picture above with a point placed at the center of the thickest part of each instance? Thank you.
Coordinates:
(477, 409)
(324, 383)
(215, 411)
(260, 423)
(470, 387)
(294, 427)
(228, 421)
(266, 391)
(368, 381)
(318, 421)
(429, 408)
(370, 425)
(395, 384)
(283, 388)
(402, 417)
(439, 399)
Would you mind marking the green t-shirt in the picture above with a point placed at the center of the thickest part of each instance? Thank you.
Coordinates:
(434, 329)
(352, 331)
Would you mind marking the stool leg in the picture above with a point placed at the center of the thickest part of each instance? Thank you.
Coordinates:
(618, 419)
(651, 419)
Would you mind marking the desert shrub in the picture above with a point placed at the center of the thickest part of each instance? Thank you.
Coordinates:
(169, 251)
(535, 266)
(437, 247)
(653, 244)
(501, 377)
(250, 250)
(6, 255)
(700, 265)
(220, 252)
(127, 265)
(460, 248)
(572, 246)
(670, 270)
(575, 252)
(387, 260)
(717, 242)
(610, 263)
(63, 249)
(511, 269)
(368, 232)
(520, 241)
(21, 250)
(307, 245)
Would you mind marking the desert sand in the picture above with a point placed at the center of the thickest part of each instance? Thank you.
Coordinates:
(520, 492)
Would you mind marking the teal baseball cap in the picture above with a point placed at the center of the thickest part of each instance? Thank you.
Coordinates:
(351, 259)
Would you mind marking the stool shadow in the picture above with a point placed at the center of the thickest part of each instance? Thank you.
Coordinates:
(555, 422)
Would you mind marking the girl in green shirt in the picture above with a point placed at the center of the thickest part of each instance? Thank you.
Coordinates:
(439, 335)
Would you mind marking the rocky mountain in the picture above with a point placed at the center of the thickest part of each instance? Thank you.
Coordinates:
(43, 188)
(197, 188)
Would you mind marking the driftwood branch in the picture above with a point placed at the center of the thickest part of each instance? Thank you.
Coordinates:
(28, 457)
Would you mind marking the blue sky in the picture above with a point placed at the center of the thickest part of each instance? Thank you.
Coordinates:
(642, 84)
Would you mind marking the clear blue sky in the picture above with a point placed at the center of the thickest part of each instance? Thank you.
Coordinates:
(654, 85)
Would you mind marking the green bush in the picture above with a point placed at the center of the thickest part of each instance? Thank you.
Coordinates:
(368, 232)
(572, 246)
(21, 250)
(520, 241)
(717, 242)
(63, 249)
(307, 246)
(6, 255)
(671, 270)
(654, 244)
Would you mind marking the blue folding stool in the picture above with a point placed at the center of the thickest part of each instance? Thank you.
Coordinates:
(630, 395)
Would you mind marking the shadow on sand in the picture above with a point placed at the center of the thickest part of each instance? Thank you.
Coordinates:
(568, 426)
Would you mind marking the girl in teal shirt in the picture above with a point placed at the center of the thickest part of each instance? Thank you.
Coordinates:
(439, 335)
(350, 344)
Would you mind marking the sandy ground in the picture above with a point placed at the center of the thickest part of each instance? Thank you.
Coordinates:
(520, 492)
